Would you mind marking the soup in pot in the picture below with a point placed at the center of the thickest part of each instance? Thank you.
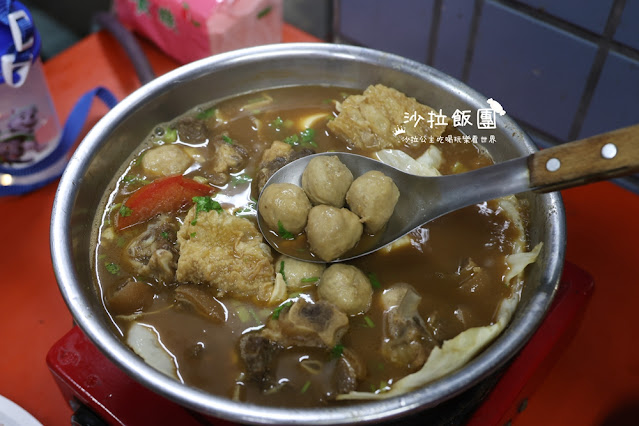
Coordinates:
(194, 290)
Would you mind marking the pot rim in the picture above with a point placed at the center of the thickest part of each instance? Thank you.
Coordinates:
(485, 363)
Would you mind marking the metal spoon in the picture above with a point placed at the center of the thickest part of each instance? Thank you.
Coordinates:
(423, 199)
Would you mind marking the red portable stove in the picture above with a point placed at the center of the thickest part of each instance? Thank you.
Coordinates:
(101, 394)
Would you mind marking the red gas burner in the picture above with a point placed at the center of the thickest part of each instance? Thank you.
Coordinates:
(101, 394)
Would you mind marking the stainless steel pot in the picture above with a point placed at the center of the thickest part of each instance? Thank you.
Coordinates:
(108, 145)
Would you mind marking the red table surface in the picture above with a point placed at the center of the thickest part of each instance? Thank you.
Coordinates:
(596, 378)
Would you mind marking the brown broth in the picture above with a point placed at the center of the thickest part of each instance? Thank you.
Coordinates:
(207, 353)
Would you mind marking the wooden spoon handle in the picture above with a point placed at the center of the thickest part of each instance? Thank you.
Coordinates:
(587, 160)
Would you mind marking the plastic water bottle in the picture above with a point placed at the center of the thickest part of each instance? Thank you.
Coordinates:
(29, 125)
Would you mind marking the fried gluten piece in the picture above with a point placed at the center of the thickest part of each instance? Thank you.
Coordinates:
(226, 252)
(370, 121)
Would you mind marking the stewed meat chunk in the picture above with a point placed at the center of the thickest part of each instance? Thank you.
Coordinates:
(407, 341)
(318, 324)
(152, 253)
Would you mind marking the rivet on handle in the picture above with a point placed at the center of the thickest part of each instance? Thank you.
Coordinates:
(609, 151)
(553, 164)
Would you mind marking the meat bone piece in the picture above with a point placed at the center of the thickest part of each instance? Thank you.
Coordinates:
(423, 199)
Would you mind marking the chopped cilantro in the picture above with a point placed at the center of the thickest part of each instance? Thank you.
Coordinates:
(205, 204)
(292, 140)
(307, 135)
(369, 322)
(241, 179)
(277, 311)
(306, 386)
(277, 123)
(125, 211)
(165, 235)
(113, 268)
(227, 139)
(337, 351)
(192, 234)
(372, 277)
(303, 138)
(283, 233)
(262, 13)
(207, 113)
(309, 279)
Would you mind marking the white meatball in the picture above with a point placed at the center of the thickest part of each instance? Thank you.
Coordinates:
(346, 287)
(331, 232)
(326, 180)
(166, 160)
(373, 197)
(284, 203)
(299, 274)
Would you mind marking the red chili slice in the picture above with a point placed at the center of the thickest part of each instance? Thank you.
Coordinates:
(164, 195)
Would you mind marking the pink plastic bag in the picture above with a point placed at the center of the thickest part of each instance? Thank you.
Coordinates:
(188, 30)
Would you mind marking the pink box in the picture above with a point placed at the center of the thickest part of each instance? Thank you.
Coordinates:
(188, 30)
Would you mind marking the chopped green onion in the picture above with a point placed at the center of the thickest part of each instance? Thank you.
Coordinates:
(192, 234)
(277, 311)
(372, 277)
(264, 12)
(306, 386)
(337, 351)
(309, 279)
(282, 270)
(369, 322)
(254, 316)
(125, 211)
(138, 160)
(135, 179)
(170, 135)
(243, 314)
(165, 235)
(207, 113)
(227, 139)
(113, 268)
(283, 233)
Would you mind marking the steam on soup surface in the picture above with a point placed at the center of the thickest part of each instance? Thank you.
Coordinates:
(194, 290)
